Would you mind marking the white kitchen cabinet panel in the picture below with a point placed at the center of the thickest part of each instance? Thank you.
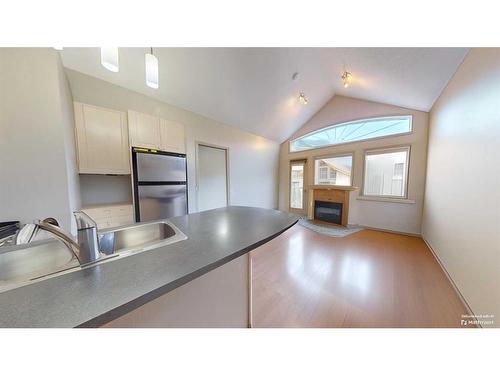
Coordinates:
(102, 140)
(111, 216)
(172, 136)
(144, 130)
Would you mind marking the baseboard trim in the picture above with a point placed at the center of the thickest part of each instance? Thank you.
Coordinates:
(448, 276)
(391, 231)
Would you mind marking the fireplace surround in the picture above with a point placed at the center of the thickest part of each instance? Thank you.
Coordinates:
(329, 194)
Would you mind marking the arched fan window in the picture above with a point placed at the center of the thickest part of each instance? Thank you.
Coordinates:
(353, 131)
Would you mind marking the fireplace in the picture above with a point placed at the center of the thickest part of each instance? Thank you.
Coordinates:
(334, 203)
(328, 211)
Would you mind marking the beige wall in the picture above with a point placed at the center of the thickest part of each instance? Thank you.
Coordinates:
(253, 160)
(37, 163)
(401, 217)
(461, 220)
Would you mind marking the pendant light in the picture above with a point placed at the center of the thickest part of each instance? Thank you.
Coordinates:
(109, 58)
(152, 74)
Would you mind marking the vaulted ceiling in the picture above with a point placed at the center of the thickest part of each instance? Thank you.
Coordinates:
(252, 88)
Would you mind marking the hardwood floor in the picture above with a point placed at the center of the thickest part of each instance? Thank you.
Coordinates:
(367, 279)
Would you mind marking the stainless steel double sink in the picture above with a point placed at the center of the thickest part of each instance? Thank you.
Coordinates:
(22, 264)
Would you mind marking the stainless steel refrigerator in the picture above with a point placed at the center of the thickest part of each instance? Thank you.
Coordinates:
(160, 184)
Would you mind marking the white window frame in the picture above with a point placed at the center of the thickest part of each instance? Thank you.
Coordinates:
(351, 154)
(388, 150)
(410, 117)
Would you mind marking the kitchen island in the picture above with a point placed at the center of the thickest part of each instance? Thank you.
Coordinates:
(207, 275)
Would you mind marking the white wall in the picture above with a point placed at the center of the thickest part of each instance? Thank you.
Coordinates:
(68, 132)
(400, 217)
(461, 220)
(37, 163)
(102, 189)
(253, 160)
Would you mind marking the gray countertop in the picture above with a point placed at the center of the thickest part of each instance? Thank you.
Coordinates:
(93, 296)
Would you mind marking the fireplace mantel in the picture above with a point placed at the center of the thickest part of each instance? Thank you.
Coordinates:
(329, 193)
(331, 187)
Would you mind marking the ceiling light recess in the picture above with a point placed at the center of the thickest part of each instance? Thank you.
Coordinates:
(152, 72)
(109, 58)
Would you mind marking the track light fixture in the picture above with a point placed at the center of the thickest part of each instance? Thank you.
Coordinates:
(346, 78)
(303, 98)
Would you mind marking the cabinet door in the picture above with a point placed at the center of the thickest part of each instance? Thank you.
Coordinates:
(111, 216)
(144, 130)
(172, 136)
(102, 140)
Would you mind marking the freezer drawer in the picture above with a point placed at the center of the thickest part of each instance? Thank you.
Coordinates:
(161, 201)
(160, 167)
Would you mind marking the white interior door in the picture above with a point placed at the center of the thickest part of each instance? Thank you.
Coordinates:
(212, 177)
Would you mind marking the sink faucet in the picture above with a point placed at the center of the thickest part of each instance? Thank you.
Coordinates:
(86, 250)
(87, 238)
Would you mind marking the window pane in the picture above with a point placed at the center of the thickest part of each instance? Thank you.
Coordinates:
(333, 171)
(353, 131)
(399, 170)
(297, 187)
(385, 174)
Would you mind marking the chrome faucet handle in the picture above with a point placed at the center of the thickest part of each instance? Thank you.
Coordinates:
(84, 221)
(87, 238)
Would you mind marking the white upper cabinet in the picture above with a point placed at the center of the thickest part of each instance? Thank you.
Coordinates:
(153, 132)
(144, 130)
(172, 136)
(102, 140)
